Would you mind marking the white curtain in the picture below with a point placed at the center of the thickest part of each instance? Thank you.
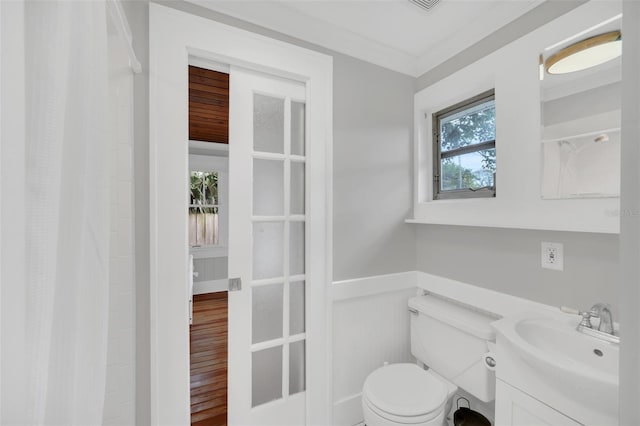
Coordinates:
(68, 207)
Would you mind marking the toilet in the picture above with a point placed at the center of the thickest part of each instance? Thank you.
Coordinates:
(452, 340)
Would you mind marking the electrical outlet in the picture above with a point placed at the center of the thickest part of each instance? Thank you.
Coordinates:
(552, 256)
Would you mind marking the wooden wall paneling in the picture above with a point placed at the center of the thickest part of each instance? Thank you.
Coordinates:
(208, 105)
(208, 338)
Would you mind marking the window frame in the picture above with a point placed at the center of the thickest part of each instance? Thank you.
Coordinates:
(484, 192)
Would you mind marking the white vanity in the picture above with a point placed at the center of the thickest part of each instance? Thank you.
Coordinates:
(549, 373)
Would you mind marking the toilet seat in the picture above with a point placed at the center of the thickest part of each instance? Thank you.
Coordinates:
(401, 420)
(405, 393)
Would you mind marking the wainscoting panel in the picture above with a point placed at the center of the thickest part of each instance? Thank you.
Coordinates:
(370, 327)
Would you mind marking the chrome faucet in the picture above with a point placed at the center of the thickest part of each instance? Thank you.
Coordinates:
(603, 311)
(604, 331)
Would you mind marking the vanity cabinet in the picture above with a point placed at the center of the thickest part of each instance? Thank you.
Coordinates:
(516, 408)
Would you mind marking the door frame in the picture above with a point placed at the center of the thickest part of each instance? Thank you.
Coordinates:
(173, 37)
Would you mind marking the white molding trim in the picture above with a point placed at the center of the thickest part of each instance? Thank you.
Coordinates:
(288, 21)
(369, 286)
(293, 23)
(513, 73)
(501, 304)
(348, 411)
(174, 36)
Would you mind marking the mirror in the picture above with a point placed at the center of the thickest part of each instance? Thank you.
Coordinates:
(580, 79)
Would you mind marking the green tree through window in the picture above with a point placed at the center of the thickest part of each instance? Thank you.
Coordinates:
(465, 163)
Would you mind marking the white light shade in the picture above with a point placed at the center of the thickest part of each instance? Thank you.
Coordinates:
(586, 54)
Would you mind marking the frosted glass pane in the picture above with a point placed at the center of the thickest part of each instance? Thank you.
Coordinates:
(266, 315)
(296, 257)
(268, 249)
(297, 188)
(296, 308)
(297, 128)
(266, 376)
(268, 187)
(296, 367)
(268, 124)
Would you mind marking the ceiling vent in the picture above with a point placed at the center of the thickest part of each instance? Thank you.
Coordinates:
(425, 4)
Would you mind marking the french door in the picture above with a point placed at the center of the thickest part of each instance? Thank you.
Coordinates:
(267, 250)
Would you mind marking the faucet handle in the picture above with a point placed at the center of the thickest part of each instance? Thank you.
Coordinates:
(585, 322)
(586, 319)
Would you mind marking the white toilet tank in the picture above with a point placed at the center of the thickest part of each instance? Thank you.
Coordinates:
(452, 340)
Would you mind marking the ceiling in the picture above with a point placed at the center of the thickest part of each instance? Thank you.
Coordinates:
(395, 34)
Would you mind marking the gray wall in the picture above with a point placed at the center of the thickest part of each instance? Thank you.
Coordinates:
(629, 223)
(509, 260)
(372, 191)
(373, 116)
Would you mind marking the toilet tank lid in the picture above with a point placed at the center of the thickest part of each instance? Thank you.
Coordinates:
(463, 317)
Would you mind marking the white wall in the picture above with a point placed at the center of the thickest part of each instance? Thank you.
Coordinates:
(368, 330)
(514, 73)
(508, 260)
(119, 408)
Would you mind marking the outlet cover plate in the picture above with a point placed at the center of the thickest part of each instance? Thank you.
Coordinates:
(552, 256)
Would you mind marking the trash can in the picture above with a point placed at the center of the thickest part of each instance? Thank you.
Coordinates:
(465, 416)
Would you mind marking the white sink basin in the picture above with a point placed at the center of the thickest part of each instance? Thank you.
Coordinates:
(568, 349)
(581, 367)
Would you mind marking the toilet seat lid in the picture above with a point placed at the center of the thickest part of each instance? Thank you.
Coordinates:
(405, 390)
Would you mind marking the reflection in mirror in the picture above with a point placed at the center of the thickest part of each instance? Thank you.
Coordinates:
(581, 115)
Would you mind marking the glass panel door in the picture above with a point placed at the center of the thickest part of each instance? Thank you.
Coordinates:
(268, 225)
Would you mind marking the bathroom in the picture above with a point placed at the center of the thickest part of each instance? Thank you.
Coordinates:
(378, 252)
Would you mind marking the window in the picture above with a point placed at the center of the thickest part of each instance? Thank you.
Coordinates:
(464, 146)
(203, 209)
(207, 203)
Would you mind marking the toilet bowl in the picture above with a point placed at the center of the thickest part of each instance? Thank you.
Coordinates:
(453, 340)
(405, 394)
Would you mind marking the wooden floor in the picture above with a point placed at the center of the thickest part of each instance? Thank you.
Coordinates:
(209, 360)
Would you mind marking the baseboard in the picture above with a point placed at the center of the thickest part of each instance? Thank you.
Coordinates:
(202, 287)
(377, 284)
(348, 411)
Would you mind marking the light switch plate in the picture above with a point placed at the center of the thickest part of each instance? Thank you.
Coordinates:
(552, 256)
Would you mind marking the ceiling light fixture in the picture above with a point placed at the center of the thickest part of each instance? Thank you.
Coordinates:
(586, 53)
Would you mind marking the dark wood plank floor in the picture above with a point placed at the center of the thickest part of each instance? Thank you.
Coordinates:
(209, 360)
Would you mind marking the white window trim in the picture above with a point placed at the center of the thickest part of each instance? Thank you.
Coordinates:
(513, 71)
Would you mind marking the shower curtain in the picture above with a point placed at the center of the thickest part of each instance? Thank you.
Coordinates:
(68, 210)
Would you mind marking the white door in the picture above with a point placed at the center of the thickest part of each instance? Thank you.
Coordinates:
(267, 246)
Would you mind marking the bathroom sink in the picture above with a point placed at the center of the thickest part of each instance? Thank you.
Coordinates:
(582, 368)
(569, 349)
